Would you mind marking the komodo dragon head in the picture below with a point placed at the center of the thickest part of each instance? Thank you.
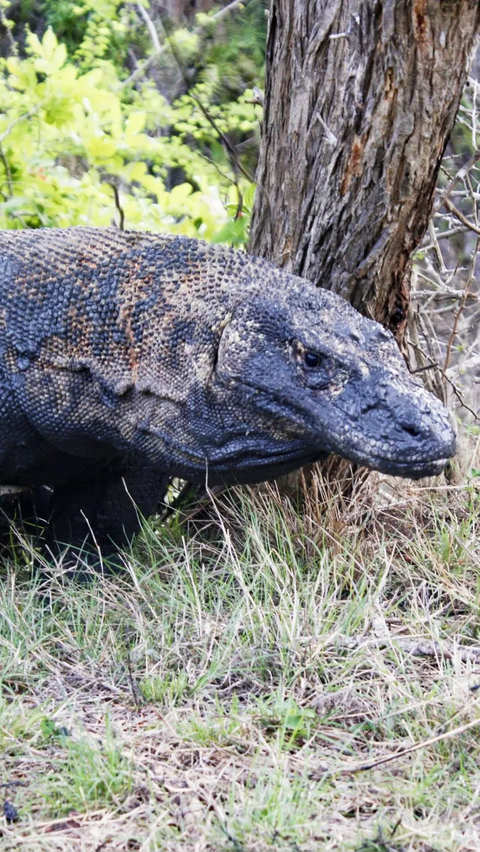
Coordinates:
(297, 373)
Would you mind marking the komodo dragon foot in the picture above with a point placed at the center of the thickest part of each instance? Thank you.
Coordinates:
(91, 518)
(84, 523)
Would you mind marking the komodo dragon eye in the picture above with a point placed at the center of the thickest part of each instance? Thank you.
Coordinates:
(312, 360)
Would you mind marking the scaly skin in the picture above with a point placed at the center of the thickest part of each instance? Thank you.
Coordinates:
(126, 358)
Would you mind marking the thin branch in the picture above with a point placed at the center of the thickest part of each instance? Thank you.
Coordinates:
(135, 75)
(8, 173)
(217, 169)
(448, 735)
(16, 121)
(443, 235)
(116, 195)
(473, 196)
(434, 366)
(437, 250)
(236, 165)
(444, 293)
(454, 180)
(151, 27)
(462, 304)
(227, 9)
(460, 216)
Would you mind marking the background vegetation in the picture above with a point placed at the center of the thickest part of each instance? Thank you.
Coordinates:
(83, 118)
(266, 675)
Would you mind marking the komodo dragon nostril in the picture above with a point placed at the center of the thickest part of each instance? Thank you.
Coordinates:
(411, 430)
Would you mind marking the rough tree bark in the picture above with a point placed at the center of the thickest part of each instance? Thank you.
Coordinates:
(360, 98)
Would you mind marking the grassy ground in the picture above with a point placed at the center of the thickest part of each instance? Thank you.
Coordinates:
(254, 681)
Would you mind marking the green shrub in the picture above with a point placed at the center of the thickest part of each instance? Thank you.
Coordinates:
(74, 135)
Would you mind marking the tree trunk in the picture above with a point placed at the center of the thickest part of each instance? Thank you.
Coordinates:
(360, 98)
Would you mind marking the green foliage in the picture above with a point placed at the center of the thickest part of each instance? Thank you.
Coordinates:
(72, 131)
(92, 30)
(237, 55)
(290, 723)
(170, 689)
(88, 773)
(50, 729)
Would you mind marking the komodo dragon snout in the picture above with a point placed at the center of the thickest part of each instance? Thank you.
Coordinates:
(126, 358)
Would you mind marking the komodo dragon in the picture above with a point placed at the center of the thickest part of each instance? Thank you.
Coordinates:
(126, 358)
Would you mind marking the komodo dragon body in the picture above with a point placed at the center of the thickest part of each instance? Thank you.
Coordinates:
(126, 358)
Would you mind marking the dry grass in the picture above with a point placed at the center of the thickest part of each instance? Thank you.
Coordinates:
(224, 693)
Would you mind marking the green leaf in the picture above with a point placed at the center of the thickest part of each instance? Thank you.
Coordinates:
(136, 122)
(49, 44)
(233, 232)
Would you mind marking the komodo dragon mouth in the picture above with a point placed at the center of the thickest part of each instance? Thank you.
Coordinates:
(391, 435)
(127, 358)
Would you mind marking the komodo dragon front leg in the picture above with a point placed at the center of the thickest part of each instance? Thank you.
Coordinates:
(96, 516)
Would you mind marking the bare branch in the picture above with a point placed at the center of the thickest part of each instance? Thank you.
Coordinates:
(151, 27)
(135, 75)
(447, 735)
(433, 365)
(459, 215)
(110, 181)
(16, 121)
(455, 179)
(462, 304)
